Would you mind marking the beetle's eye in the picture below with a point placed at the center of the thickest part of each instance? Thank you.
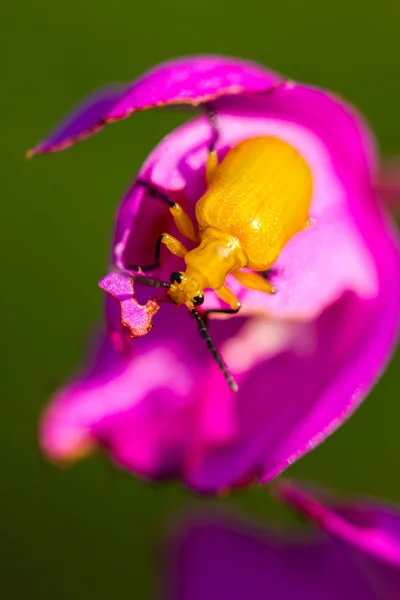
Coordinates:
(197, 300)
(176, 277)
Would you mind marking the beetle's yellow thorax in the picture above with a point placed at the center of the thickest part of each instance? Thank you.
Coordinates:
(218, 254)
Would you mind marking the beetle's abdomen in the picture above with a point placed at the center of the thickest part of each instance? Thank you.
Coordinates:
(260, 193)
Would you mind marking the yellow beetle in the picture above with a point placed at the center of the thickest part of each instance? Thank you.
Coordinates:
(256, 199)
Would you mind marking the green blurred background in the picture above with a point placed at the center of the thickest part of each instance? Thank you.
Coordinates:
(88, 531)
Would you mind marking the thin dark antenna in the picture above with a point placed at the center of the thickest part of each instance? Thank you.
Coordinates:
(148, 281)
(206, 336)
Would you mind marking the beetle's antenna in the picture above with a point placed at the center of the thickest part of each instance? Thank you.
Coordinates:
(206, 336)
(149, 281)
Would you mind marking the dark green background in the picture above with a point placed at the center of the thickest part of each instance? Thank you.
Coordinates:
(88, 532)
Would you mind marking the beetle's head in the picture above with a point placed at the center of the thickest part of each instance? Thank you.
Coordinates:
(185, 289)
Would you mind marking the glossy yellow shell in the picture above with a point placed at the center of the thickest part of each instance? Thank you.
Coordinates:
(261, 194)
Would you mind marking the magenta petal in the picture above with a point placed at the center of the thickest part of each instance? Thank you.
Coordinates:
(191, 80)
(136, 317)
(365, 525)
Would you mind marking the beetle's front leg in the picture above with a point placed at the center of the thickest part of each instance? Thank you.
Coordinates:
(254, 281)
(181, 218)
(226, 295)
(174, 246)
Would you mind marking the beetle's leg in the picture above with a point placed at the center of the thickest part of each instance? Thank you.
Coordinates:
(181, 218)
(254, 281)
(173, 245)
(212, 157)
(211, 165)
(221, 311)
(183, 222)
(227, 296)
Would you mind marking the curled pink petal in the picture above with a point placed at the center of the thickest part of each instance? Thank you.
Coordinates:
(136, 317)
(191, 80)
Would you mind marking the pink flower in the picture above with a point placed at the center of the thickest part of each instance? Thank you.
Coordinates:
(355, 555)
(303, 358)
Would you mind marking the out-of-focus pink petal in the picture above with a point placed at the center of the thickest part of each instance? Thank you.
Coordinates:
(140, 394)
(136, 317)
(191, 80)
(365, 525)
(217, 557)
